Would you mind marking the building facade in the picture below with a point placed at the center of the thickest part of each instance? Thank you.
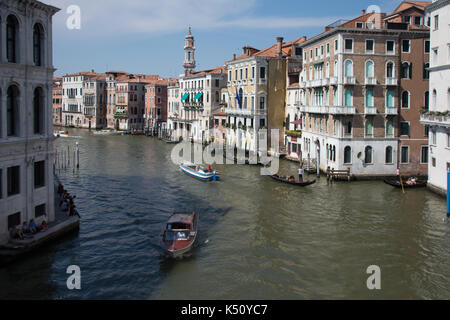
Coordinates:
(173, 109)
(437, 118)
(26, 129)
(360, 97)
(57, 101)
(200, 98)
(256, 94)
(84, 100)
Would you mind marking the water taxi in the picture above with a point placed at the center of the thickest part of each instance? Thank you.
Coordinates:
(180, 234)
(199, 172)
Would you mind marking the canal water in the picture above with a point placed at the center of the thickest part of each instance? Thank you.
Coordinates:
(259, 239)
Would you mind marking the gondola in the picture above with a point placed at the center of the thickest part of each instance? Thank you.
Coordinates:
(295, 183)
(397, 184)
(180, 234)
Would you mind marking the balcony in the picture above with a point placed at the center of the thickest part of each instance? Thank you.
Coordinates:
(371, 81)
(392, 111)
(325, 82)
(349, 80)
(328, 110)
(433, 118)
(370, 110)
(316, 83)
(263, 81)
(391, 81)
(333, 81)
(303, 84)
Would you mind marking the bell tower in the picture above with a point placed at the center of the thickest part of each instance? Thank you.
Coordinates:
(189, 51)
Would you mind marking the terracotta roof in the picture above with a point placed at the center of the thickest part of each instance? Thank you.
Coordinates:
(83, 73)
(405, 5)
(218, 70)
(368, 17)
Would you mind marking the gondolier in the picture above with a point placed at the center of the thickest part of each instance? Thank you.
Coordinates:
(300, 173)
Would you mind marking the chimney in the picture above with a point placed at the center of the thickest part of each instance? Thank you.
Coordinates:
(92, 70)
(279, 46)
(244, 49)
(363, 12)
(234, 56)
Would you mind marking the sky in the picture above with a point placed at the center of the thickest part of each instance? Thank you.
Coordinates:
(147, 36)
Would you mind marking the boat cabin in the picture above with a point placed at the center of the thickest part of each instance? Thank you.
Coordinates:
(179, 227)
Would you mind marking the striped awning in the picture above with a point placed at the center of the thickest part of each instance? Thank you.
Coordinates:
(198, 96)
(185, 96)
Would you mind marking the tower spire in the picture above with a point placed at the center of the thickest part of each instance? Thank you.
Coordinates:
(189, 53)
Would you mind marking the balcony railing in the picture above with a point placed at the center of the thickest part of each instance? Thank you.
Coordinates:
(333, 80)
(371, 81)
(370, 110)
(391, 110)
(246, 112)
(391, 81)
(328, 109)
(263, 81)
(435, 119)
(350, 80)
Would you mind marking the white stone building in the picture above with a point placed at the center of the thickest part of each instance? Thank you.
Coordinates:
(438, 116)
(26, 129)
(84, 100)
(200, 97)
(173, 108)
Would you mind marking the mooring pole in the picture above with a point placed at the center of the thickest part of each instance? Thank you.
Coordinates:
(78, 155)
(448, 194)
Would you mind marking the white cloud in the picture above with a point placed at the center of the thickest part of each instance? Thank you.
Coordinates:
(113, 17)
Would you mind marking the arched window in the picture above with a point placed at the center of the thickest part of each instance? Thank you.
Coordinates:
(38, 111)
(12, 34)
(336, 69)
(369, 98)
(389, 128)
(348, 68)
(368, 155)
(388, 155)
(369, 127)
(12, 111)
(288, 119)
(427, 100)
(390, 98)
(390, 70)
(348, 101)
(38, 37)
(295, 125)
(426, 72)
(241, 95)
(349, 128)
(334, 153)
(347, 155)
(405, 99)
(370, 69)
(434, 98)
(406, 70)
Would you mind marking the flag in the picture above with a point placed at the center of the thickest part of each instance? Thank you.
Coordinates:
(238, 100)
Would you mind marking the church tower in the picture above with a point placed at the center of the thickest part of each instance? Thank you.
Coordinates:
(189, 50)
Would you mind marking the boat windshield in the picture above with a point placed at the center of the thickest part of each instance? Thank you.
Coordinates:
(176, 235)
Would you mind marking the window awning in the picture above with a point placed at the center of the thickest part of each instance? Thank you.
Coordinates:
(297, 122)
(318, 64)
(185, 96)
(198, 96)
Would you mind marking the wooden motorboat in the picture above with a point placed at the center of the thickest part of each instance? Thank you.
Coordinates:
(293, 181)
(180, 234)
(397, 184)
(199, 172)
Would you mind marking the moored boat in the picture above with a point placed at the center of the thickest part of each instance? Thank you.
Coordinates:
(397, 184)
(293, 181)
(199, 172)
(180, 234)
